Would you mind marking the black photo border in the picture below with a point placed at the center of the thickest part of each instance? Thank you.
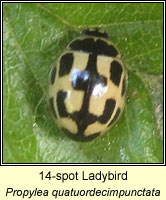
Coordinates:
(82, 164)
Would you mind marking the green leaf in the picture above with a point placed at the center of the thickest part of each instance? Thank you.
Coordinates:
(34, 35)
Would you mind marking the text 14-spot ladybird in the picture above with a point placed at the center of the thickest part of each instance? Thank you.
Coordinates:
(87, 86)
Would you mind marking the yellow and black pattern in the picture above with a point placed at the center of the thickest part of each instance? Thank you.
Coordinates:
(87, 87)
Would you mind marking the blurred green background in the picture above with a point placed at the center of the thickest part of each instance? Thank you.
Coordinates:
(34, 35)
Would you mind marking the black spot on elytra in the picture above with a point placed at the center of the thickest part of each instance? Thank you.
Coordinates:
(53, 75)
(108, 110)
(80, 80)
(123, 87)
(66, 63)
(52, 106)
(61, 104)
(98, 47)
(115, 72)
(102, 48)
(83, 118)
(92, 64)
(115, 116)
(80, 137)
(85, 45)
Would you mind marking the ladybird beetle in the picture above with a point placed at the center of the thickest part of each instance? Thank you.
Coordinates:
(87, 86)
